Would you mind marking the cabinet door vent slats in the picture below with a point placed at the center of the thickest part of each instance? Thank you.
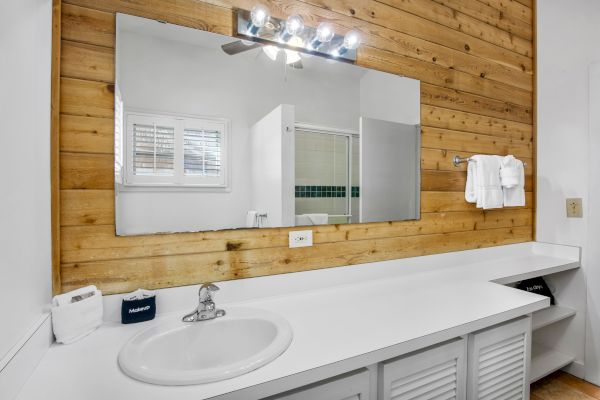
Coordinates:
(501, 370)
(428, 384)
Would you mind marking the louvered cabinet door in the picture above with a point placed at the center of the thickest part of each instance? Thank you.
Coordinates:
(352, 386)
(435, 373)
(498, 362)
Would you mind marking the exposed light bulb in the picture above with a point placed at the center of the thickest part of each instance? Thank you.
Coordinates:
(294, 26)
(259, 16)
(271, 52)
(352, 40)
(323, 34)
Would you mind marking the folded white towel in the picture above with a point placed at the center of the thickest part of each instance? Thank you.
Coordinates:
(515, 196)
(509, 172)
(488, 187)
(76, 314)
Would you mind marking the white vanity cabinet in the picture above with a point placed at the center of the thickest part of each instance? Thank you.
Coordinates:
(498, 362)
(351, 386)
(490, 364)
(438, 372)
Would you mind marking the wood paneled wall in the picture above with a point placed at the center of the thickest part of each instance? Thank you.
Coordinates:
(475, 62)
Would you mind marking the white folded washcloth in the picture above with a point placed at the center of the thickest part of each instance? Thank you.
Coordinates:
(509, 172)
(76, 314)
(139, 294)
(488, 187)
(514, 196)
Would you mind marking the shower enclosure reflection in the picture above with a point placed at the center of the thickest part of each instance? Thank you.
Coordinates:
(205, 140)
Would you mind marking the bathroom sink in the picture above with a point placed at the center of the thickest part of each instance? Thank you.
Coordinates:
(180, 353)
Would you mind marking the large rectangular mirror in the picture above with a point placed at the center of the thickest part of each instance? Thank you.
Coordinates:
(206, 140)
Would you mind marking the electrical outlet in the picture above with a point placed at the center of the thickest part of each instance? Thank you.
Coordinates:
(574, 208)
(300, 239)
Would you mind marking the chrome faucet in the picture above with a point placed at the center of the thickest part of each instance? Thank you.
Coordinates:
(206, 308)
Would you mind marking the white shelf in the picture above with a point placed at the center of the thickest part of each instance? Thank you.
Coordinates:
(545, 361)
(551, 315)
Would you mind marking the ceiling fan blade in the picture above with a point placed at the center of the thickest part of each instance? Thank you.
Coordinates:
(238, 46)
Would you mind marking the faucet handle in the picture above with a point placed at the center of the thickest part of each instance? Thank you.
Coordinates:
(206, 291)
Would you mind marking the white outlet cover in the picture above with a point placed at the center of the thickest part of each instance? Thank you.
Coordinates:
(300, 239)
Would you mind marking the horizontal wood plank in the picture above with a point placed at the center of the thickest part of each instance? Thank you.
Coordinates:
(493, 16)
(87, 207)
(87, 134)
(85, 61)
(87, 98)
(456, 100)
(86, 25)
(447, 139)
(87, 171)
(439, 117)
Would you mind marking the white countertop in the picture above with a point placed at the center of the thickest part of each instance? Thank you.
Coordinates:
(337, 328)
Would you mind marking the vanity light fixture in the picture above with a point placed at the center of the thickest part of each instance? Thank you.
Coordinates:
(259, 16)
(293, 36)
(351, 42)
(323, 34)
(294, 26)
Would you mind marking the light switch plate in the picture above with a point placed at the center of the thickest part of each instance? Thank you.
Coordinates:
(300, 239)
(574, 208)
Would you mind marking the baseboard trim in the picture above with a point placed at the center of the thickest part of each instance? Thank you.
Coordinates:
(20, 362)
(576, 368)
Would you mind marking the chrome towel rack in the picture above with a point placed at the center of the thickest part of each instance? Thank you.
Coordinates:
(459, 160)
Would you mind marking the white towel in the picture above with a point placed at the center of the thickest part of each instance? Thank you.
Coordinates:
(488, 187)
(251, 219)
(470, 191)
(509, 172)
(515, 196)
(76, 314)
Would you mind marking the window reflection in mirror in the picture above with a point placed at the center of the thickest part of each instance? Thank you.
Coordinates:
(205, 140)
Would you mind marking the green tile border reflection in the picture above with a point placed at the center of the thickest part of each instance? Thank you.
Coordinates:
(325, 191)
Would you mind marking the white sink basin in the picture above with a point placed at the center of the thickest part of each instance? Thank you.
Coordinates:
(179, 353)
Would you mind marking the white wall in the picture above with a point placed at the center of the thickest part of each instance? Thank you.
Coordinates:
(384, 96)
(25, 284)
(273, 170)
(568, 33)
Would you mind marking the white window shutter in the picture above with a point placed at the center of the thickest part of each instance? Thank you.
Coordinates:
(153, 150)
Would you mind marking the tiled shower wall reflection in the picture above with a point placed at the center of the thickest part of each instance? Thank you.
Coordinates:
(322, 171)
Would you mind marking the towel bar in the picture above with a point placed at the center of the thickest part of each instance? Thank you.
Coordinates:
(458, 160)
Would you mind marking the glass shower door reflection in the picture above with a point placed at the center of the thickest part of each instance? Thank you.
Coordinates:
(323, 171)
